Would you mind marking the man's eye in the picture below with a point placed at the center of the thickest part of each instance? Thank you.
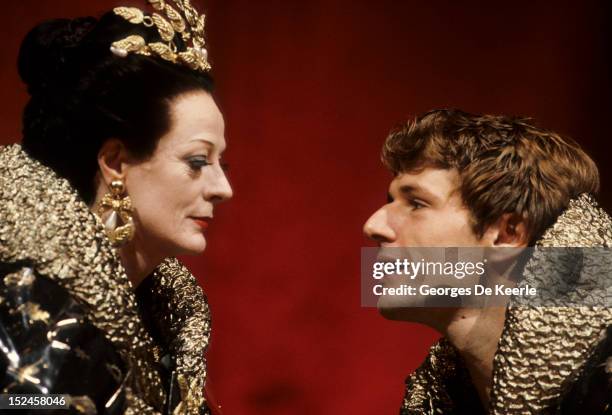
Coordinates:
(416, 204)
(196, 163)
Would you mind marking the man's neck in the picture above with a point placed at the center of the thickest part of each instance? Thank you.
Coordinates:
(475, 333)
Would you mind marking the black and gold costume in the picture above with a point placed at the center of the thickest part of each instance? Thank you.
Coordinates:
(551, 359)
(70, 321)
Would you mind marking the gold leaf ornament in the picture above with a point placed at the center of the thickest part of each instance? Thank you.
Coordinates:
(189, 58)
(190, 13)
(133, 43)
(195, 59)
(131, 14)
(169, 20)
(175, 18)
(158, 4)
(163, 51)
(201, 24)
(166, 32)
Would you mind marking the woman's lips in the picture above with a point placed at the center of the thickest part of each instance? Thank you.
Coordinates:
(202, 222)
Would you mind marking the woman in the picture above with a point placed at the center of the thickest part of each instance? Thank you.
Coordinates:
(119, 171)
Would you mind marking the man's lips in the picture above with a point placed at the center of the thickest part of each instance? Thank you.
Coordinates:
(202, 222)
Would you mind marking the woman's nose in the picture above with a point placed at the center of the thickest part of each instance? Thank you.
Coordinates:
(219, 189)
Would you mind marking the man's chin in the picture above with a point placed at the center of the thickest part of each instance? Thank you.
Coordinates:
(389, 313)
(413, 313)
(392, 309)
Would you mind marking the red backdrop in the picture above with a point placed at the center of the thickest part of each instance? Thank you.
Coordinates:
(309, 90)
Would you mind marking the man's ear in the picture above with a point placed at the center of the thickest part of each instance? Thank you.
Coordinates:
(509, 231)
(112, 158)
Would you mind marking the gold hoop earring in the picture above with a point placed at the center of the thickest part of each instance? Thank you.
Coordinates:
(115, 211)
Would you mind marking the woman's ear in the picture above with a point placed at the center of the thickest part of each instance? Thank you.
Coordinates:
(112, 158)
(511, 231)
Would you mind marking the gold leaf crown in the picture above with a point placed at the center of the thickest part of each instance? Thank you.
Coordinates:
(185, 21)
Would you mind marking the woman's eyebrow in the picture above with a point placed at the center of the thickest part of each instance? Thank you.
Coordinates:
(210, 143)
(203, 140)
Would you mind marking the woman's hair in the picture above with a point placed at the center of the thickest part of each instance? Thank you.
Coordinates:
(82, 95)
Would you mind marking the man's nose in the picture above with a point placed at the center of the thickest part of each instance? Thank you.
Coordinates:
(377, 227)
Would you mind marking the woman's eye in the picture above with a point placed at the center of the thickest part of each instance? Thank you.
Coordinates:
(196, 163)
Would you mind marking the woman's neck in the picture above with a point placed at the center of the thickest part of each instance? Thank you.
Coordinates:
(137, 264)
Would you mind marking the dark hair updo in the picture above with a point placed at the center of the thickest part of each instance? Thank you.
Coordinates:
(82, 94)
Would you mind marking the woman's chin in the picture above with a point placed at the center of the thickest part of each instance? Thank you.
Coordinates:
(194, 246)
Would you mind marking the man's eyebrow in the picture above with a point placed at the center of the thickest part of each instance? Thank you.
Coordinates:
(413, 189)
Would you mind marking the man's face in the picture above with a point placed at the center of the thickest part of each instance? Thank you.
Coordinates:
(425, 209)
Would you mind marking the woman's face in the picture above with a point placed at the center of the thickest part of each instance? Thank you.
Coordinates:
(174, 193)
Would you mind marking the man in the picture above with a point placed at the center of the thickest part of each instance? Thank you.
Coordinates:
(464, 180)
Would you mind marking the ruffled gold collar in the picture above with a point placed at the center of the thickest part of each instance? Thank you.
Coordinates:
(541, 350)
(44, 222)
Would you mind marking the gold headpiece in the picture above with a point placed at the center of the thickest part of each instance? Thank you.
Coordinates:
(185, 21)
